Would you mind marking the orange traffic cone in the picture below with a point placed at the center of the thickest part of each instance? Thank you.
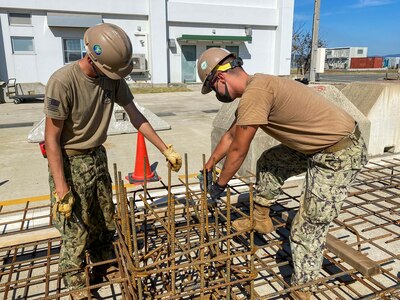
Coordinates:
(142, 162)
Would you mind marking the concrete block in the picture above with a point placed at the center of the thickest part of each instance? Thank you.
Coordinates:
(119, 124)
(262, 141)
(380, 103)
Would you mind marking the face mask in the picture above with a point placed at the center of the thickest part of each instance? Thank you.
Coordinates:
(226, 97)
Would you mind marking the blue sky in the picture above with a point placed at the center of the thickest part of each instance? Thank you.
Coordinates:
(365, 23)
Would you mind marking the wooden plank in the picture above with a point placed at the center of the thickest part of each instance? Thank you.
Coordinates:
(28, 237)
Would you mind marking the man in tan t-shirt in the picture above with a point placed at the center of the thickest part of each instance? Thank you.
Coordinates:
(78, 106)
(316, 136)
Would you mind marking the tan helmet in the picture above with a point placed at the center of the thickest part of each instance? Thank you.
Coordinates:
(208, 60)
(110, 49)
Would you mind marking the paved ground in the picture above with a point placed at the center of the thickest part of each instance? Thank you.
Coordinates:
(23, 170)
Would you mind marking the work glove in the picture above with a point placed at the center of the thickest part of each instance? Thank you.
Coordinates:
(209, 178)
(64, 205)
(216, 190)
(173, 157)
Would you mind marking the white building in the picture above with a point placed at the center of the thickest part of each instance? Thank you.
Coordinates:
(39, 36)
(340, 58)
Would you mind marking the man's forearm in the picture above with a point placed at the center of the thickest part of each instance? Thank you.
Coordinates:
(220, 151)
(54, 157)
(149, 133)
(232, 164)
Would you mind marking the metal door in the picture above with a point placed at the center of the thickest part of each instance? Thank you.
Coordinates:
(188, 63)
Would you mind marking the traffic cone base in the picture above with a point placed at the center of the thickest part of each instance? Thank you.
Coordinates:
(142, 165)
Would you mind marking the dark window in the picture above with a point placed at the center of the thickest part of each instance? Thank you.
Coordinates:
(233, 49)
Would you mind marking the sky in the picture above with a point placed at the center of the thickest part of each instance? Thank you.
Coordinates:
(360, 23)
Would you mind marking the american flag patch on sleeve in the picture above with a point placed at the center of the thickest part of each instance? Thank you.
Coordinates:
(53, 104)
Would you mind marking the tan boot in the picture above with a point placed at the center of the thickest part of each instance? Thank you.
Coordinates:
(262, 221)
(79, 295)
(300, 295)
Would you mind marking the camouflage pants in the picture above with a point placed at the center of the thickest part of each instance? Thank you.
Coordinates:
(327, 181)
(91, 226)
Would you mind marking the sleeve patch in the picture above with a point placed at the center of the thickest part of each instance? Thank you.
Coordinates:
(53, 104)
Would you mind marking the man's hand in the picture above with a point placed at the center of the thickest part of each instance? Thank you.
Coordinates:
(209, 178)
(216, 190)
(173, 157)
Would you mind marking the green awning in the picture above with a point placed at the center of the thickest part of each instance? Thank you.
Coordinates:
(215, 38)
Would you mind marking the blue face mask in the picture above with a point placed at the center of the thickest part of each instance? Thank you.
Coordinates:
(226, 97)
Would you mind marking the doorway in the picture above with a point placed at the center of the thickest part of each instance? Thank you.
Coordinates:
(188, 63)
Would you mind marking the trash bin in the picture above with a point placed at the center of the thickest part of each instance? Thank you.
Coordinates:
(2, 86)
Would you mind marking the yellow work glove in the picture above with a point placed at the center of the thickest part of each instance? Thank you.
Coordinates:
(174, 158)
(64, 205)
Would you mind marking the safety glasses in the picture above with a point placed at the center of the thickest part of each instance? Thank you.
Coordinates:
(211, 78)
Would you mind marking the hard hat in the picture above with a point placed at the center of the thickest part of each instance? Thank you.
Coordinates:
(110, 49)
(206, 64)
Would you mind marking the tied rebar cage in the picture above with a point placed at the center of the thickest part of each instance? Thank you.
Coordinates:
(175, 243)
(183, 244)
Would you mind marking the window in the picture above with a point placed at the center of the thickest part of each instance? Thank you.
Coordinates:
(22, 44)
(74, 49)
(233, 49)
(360, 51)
(19, 19)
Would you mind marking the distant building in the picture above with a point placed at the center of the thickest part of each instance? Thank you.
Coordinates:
(391, 62)
(340, 58)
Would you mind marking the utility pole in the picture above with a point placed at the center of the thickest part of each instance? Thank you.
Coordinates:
(314, 47)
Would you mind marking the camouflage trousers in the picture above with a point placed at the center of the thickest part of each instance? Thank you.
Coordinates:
(328, 177)
(91, 227)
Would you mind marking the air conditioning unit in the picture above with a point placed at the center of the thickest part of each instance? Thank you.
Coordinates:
(139, 63)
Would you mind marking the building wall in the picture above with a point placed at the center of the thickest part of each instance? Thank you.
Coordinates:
(340, 58)
(153, 25)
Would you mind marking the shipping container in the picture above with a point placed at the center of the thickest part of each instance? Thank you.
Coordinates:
(366, 63)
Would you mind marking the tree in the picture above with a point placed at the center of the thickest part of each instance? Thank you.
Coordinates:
(301, 48)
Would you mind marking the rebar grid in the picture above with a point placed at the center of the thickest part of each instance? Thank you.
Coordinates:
(176, 251)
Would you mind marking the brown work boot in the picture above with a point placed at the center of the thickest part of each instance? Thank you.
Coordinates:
(300, 295)
(262, 221)
(79, 295)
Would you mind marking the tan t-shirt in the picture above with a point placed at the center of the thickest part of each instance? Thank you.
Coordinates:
(85, 104)
(293, 113)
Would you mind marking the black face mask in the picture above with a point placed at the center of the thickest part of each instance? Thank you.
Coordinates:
(226, 97)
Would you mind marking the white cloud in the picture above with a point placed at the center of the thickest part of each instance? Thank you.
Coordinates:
(366, 3)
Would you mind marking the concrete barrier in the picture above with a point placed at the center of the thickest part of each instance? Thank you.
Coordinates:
(380, 103)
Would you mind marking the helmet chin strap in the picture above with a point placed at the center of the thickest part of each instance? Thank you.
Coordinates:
(98, 75)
